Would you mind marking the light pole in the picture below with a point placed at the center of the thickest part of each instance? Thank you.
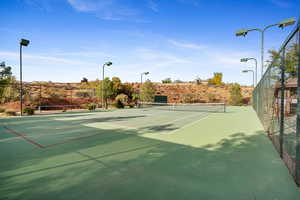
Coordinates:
(23, 42)
(281, 24)
(249, 70)
(246, 60)
(144, 73)
(105, 64)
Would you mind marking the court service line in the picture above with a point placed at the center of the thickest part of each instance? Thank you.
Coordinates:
(136, 128)
(189, 124)
(179, 119)
(189, 116)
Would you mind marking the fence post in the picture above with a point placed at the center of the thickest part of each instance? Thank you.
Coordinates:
(297, 173)
(282, 67)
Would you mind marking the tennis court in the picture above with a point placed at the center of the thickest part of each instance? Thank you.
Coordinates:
(145, 153)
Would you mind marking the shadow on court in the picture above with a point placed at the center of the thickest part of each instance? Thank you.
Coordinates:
(124, 165)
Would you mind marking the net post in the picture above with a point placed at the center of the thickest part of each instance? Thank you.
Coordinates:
(224, 107)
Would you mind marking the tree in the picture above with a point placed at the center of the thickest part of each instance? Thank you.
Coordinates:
(236, 97)
(123, 98)
(128, 90)
(84, 80)
(148, 91)
(292, 60)
(216, 80)
(10, 92)
(116, 86)
(108, 91)
(178, 81)
(5, 78)
(198, 80)
(274, 58)
(167, 80)
(5, 71)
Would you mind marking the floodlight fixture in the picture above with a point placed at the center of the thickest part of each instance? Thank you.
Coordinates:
(282, 24)
(108, 63)
(144, 73)
(244, 60)
(24, 42)
(242, 32)
(249, 70)
(286, 22)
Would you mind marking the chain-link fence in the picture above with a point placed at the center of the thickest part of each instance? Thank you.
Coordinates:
(275, 100)
(48, 97)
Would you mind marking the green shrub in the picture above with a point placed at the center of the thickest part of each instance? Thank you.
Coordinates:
(10, 113)
(123, 98)
(91, 106)
(167, 80)
(28, 111)
(82, 94)
(119, 104)
(236, 98)
(2, 110)
(211, 97)
(83, 106)
(148, 91)
(188, 98)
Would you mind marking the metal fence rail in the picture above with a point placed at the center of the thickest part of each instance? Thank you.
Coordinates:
(275, 100)
(47, 96)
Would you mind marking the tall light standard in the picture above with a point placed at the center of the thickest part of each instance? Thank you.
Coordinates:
(246, 60)
(144, 73)
(25, 43)
(249, 70)
(281, 24)
(105, 64)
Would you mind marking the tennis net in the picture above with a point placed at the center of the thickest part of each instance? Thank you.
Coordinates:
(189, 107)
(58, 108)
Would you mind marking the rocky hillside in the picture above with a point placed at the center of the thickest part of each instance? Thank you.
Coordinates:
(178, 92)
(45, 93)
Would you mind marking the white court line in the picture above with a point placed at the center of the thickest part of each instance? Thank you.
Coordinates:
(107, 124)
(116, 125)
(186, 118)
(190, 124)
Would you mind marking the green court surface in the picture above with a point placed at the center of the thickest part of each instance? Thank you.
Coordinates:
(141, 154)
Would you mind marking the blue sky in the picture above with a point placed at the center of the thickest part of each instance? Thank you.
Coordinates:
(180, 39)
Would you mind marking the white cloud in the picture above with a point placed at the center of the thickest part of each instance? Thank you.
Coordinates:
(211, 54)
(159, 58)
(281, 3)
(44, 5)
(105, 9)
(185, 45)
(90, 5)
(161, 61)
(94, 54)
(190, 2)
(44, 59)
(153, 5)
